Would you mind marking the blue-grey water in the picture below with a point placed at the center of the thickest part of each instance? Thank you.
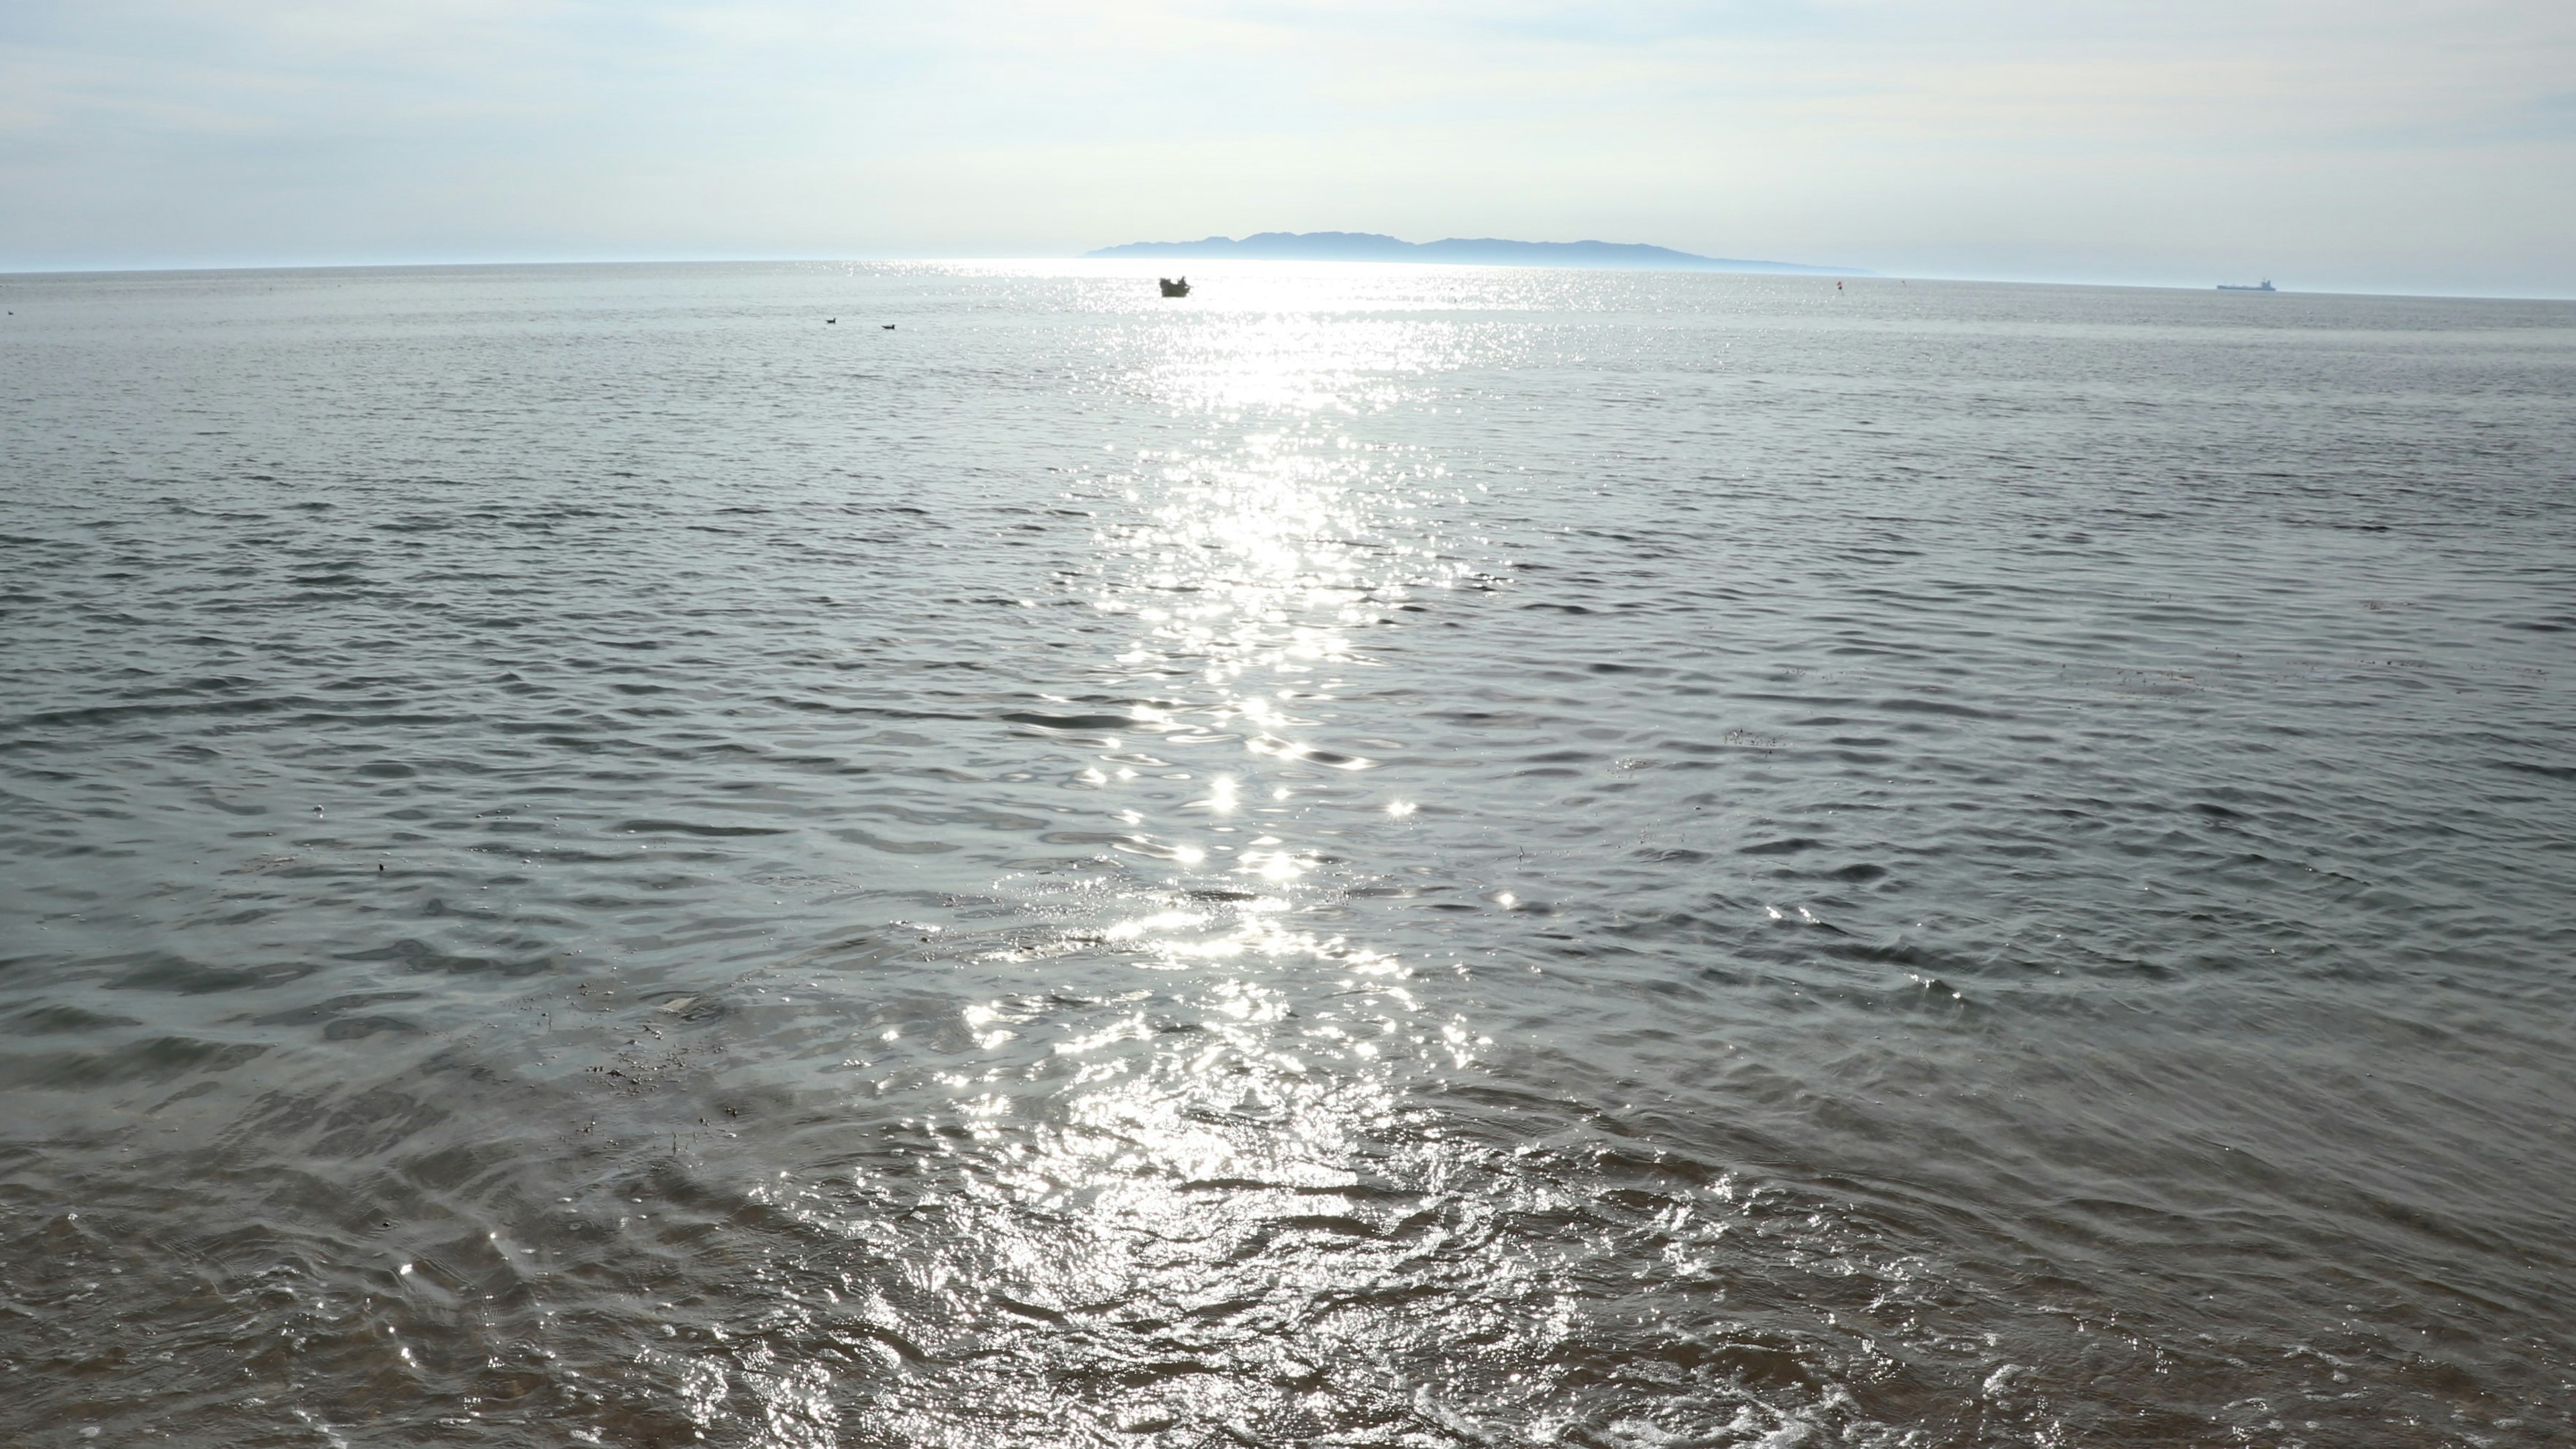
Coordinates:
(1377, 856)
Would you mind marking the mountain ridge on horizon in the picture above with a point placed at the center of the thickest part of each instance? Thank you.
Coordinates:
(1364, 246)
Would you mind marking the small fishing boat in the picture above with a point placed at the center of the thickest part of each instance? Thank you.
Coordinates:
(1175, 286)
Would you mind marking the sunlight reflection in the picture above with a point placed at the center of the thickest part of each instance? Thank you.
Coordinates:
(1222, 1133)
(1261, 547)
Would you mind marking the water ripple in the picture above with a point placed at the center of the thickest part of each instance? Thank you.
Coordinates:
(1381, 856)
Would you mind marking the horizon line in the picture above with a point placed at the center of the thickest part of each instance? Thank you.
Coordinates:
(78, 270)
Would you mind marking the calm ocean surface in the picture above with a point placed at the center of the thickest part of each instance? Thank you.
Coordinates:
(1378, 856)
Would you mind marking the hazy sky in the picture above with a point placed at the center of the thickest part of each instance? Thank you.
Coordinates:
(2366, 144)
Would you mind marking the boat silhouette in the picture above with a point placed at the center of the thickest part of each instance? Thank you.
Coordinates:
(2263, 286)
(1175, 286)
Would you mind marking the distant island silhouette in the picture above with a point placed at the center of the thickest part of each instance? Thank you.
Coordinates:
(1362, 246)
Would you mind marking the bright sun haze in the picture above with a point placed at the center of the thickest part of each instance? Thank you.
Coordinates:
(2377, 145)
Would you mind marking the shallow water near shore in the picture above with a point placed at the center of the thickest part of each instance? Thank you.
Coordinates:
(1376, 856)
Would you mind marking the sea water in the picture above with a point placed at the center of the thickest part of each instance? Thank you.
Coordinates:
(890, 855)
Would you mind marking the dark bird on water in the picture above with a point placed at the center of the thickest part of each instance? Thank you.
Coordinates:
(889, 327)
(828, 321)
